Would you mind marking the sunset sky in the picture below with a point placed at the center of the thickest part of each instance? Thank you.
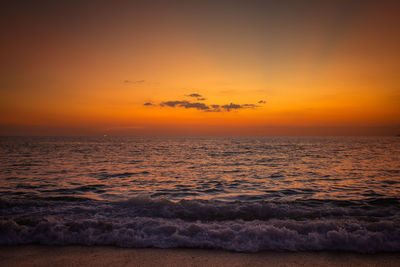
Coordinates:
(200, 68)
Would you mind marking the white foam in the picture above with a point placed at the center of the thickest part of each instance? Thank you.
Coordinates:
(238, 226)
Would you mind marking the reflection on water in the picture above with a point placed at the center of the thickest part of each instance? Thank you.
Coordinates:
(224, 168)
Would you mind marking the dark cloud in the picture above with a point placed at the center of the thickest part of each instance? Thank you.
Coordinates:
(214, 108)
(147, 104)
(134, 82)
(231, 106)
(205, 107)
(194, 95)
(172, 103)
(197, 105)
(262, 102)
(185, 104)
(249, 106)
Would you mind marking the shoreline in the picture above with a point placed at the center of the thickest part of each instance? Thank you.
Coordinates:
(42, 255)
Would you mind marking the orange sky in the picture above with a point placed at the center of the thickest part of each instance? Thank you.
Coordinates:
(79, 68)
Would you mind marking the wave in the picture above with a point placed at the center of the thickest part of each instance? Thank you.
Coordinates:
(213, 210)
(238, 235)
(239, 226)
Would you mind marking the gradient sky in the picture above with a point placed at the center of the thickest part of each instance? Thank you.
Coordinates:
(259, 67)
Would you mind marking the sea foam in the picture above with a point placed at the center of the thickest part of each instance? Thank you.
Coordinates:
(237, 226)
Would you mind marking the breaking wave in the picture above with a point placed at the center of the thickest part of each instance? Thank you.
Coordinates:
(309, 225)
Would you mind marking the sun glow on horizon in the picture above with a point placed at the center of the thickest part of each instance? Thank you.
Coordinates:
(259, 68)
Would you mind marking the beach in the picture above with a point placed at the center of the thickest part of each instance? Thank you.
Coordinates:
(38, 255)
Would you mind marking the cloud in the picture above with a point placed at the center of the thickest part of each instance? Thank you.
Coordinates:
(197, 105)
(185, 104)
(249, 106)
(204, 107)
(135, 82)
(194, 95)
(147, 104)
(173, 103)
(231, 106)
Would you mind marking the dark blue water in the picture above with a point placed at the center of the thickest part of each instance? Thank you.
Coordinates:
(236, 193)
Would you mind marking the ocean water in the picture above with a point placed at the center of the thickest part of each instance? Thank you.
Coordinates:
(236, 193)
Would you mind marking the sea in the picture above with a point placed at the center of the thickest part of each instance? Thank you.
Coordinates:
(245, 194)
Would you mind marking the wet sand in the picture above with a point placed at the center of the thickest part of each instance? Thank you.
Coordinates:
(36, 255)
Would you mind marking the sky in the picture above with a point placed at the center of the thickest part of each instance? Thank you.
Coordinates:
(151, 68)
